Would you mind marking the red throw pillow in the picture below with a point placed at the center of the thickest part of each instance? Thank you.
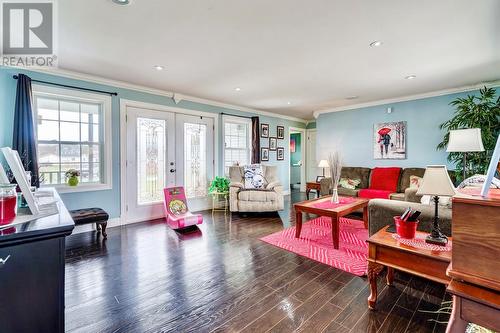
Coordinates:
(385, 179)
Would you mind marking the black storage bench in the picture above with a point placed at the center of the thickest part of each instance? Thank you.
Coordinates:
(91, 215)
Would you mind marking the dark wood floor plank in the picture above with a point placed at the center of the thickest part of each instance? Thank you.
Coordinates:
(316, 284)
(148, 278)
(354, 310)
(374, 319)
(413, 293)
(308, 308)
(350, 291)
(321, 319)
(423, 320)
(334, 327)
(396, 321)
(272, 317)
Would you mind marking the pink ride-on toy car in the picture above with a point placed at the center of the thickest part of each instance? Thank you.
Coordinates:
(176, 211)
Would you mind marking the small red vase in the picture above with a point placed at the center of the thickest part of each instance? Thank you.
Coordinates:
(405, 229)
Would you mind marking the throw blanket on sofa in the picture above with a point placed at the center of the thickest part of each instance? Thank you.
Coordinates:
(254, 177)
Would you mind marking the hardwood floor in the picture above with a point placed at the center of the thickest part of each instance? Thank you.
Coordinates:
(147, 278)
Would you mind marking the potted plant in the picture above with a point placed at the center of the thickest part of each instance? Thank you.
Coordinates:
(72, 177)
(482, 112)
(219, 185)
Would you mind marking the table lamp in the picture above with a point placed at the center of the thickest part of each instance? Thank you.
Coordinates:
(323, 164)
(437, 183)
(464, 141)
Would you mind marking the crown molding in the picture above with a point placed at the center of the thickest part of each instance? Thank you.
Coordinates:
(176, 96)
(99, 80)
(408, 98)
(242, 108)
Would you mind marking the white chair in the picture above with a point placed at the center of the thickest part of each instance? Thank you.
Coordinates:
(267, 199)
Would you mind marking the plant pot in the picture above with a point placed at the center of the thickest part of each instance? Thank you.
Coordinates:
(73, 181)
(405, 229)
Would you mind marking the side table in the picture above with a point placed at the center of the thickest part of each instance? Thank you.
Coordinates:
(384, 250)
(312, 186)
(220, 201)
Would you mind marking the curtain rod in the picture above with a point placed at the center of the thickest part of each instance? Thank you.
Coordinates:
(234, 115)
(73, 87)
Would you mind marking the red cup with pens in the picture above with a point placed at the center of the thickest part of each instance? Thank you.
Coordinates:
(406, 224)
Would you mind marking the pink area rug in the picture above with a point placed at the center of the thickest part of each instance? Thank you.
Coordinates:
(315, 243)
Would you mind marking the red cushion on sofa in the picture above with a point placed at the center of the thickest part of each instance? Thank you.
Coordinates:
(385, 179)
(374, 194)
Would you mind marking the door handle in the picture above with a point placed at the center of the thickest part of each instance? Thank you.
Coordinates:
(172, 170)
(3, 261)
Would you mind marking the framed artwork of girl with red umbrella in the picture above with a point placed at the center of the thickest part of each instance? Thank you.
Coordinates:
(389, 140)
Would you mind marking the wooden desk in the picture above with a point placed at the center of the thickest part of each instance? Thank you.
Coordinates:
(312, 186)
(475, 266)
(385, 250)
(311, 206)
(32, 273)
(476, 234)
(473, 304)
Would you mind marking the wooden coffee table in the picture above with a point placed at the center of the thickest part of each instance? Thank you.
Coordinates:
(385, 250)
(321, 207)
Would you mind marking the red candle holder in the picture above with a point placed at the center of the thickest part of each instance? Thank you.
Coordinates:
(8, 203)
(405, 229)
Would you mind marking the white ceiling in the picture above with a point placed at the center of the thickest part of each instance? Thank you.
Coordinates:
(312, 53)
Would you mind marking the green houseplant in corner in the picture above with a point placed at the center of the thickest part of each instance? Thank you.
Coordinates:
(482, 112)
(219, 185)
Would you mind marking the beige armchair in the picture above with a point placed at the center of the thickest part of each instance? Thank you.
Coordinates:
(268, 199)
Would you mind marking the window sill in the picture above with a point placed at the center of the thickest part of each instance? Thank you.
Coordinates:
(63, 188)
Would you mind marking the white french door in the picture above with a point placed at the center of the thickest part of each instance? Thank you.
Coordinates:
(166, 149)
(195, 158)
(150, 162)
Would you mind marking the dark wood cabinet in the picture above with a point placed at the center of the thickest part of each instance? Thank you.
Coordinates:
(32, 275)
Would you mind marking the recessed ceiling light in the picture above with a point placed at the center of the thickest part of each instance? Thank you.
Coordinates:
(237, 89)
(122, 2)
(375, 43)
(158, 67)
(288, 103)
(351, 97)
(410, 77)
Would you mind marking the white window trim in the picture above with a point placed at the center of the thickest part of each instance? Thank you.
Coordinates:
(239, 120)
(105, 101)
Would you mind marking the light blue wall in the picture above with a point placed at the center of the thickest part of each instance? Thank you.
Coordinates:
(351, 131)
(110, 200)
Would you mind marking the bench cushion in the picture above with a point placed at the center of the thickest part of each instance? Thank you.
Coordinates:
(374, 194)
(89, 215)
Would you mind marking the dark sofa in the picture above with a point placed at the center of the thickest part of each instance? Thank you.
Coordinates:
(382, 211)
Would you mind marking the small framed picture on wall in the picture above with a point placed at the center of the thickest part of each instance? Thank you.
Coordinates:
(264, 154)
(281, 132)
(280, 154)
(264, 130)
(273, 143)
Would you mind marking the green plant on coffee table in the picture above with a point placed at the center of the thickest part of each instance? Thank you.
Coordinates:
(482, 112)
(72, 177)
(219, 185)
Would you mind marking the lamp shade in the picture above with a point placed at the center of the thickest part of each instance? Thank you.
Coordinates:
(436, 182)
(465, 140)
(323, 164)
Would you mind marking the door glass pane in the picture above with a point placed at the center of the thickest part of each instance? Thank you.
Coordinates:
(195, 160)
(151, 152)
